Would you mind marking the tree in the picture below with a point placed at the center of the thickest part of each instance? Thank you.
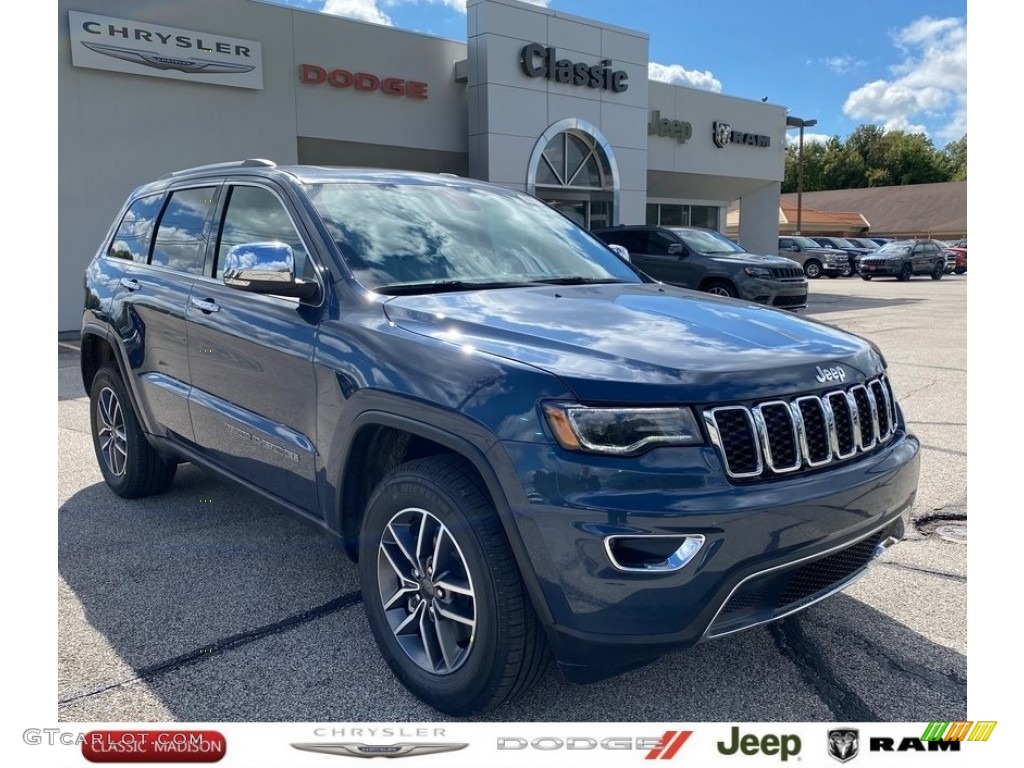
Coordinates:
(955, 155)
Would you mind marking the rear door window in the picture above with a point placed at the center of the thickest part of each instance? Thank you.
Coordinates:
(181, 237)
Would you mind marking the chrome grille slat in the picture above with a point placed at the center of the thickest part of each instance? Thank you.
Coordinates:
(805, 432)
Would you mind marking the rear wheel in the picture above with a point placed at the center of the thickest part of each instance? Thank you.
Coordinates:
(721, 288)
(812, 268)
(442, 591)
(128, 462)
(865, 277)
(906, 272)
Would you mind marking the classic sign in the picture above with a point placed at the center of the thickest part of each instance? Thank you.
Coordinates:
(538, 61)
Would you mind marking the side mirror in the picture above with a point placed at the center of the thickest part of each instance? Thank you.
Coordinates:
(620, 251)
(675, 249)
(266, 268)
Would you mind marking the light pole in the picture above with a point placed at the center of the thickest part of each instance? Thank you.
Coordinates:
(796, 122)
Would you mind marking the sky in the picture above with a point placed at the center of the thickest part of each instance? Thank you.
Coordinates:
(898, 64)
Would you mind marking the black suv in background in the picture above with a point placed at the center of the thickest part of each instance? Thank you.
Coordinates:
(529, 447)
(853, 252)
(903, 259)
(706, 260)
(815, 259)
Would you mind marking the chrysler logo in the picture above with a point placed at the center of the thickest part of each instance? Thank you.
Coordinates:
(193, 65)
(356, 749)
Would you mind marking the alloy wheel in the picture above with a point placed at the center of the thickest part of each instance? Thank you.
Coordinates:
(113, 439)
(426, 591)
(718, 290)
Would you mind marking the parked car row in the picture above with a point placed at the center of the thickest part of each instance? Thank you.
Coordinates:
(706, 260)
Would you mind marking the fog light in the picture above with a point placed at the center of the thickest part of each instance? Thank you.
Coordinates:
(660, 553)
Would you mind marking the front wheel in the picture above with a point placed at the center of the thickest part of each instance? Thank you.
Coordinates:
(847, 271)
(906, 272)
(129, 464)
(865, 277)
(442, 591)
(938, 270)
(721, 288)
(812, 269)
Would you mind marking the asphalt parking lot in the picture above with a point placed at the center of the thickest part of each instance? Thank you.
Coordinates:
(208, 604)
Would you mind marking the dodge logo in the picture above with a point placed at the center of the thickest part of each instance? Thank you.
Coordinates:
(843, 744)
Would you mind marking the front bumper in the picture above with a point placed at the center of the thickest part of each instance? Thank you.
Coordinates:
(782, 294)
(880, 269)
(755, 535)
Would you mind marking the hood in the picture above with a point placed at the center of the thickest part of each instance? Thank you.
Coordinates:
(753, 259)
(641, 343)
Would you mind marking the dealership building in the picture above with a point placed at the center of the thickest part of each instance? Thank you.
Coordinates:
(556, 105)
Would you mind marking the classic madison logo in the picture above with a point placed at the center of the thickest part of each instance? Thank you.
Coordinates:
(844, 744)
(192, 66)
(355, 749)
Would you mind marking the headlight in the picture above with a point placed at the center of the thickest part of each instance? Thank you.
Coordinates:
(758, 271)
(620, 431)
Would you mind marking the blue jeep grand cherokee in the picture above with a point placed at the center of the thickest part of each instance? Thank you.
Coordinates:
(530, 448)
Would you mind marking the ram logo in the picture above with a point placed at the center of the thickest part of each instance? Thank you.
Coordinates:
(843, 744)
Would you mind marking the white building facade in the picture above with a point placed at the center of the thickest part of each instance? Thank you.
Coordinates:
(552, 104)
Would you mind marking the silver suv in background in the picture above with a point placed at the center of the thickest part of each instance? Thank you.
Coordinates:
(815, 259)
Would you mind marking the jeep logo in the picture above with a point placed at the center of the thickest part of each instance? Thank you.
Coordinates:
(783, 746)
(830, 374)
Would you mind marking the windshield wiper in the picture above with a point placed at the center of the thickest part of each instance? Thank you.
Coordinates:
(577, 280)
(445, 286)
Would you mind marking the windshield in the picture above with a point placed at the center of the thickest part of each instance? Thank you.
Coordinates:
(805, 242)
(460, 237)
(842, 242)
(708, 241)
(894, 249)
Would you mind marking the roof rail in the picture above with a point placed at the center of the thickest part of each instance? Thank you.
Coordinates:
(253, 162)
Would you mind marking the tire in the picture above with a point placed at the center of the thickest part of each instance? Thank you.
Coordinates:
(960, 271)
(847, 271)
(865, 277)
(812, 268)
(129, 464)
(938, 270)
(906, 272)
(721, 288)
(503, 652)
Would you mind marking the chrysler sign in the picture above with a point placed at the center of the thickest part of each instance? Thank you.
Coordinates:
(140, 48)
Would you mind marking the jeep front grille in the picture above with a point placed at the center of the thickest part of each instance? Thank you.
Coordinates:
(786, 272)
(807, 432)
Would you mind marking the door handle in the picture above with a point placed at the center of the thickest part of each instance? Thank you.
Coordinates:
(205, 305)
(131, 284)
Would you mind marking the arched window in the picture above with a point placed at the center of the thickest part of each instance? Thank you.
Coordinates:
(573, 168)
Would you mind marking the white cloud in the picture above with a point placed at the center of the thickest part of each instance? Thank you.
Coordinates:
(929, 84)
(363, 10)
(676, 74)
(841, 64)
(793, 138)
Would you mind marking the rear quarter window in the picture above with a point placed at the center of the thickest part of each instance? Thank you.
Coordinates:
(135, 232)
